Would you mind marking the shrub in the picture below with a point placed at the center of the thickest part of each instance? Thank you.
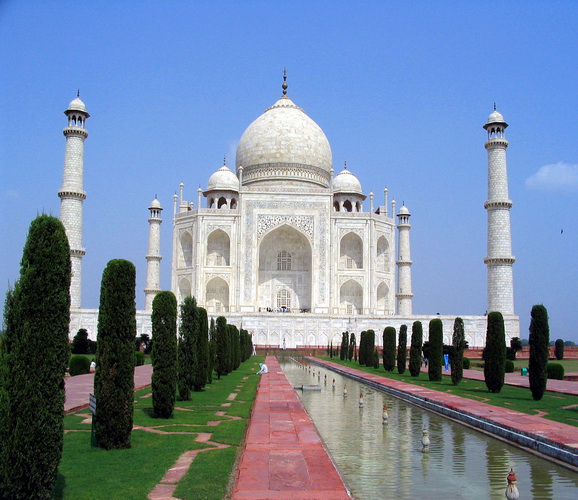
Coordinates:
(555, 371)
(164, 353)
(435, 354)
(539, 351)
(201, 366)
(79, 365)
(186, 347)
(415, 349)
(402, 350)
(369, 347)
(139, 358)
(466, 363)
(509, 366)
(375, 359)
(559, 349)
(33, 361)
(80, 342)
(389, 338)
(495, 352)
(222, 346)
(457, 358)
(344, 352)
(362, 341)
(114, 374)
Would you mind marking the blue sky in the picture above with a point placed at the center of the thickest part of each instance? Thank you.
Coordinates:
(401, 89)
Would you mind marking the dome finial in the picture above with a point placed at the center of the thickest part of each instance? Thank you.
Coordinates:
(224, 160)
(494, 106)
(284, 86)
(345, 165)
(78, 93)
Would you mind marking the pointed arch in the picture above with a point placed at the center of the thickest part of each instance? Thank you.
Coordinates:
(217, 295)
(218, 248)
(184, 289)
(382, 254)
(382, 299)
(351, 298)
(351, 252)
(186, 250)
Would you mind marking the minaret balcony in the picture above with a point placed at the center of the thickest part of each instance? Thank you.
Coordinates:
(75, 131)
(499, 260)
(63, 193)
(498, 204)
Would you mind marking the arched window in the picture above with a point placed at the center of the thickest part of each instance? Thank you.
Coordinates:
(222, 202)
(336, 206)
(284, 298)
(347, 206)
(351, 252)
(186, 254)
(218, 248)
(382, 254)
(283, 261)
(217, 295)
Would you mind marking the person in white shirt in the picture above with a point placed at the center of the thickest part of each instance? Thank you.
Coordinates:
(263, 369)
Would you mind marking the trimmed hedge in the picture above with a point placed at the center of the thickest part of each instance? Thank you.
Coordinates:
(495, 352)
(555, 371)
(79, 365)
(436, 350)
(559, 349)
(509, 366)
(139, 358)
(539, 351)
(415, 349)
(389, 338)
(466, 362)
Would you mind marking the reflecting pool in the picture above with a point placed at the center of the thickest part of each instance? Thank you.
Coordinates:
(386, 461)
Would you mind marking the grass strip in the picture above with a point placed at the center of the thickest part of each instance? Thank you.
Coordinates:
(94, 474)
(554, 406)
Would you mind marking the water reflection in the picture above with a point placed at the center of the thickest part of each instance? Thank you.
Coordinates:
(385, 461)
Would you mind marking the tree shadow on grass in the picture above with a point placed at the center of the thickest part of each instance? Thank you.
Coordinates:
(59, 485)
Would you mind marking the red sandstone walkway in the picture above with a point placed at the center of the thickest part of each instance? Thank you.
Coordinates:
(79, 387)
(529, 424)
(284, 457)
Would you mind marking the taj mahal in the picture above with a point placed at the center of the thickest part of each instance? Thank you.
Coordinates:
(288, 248)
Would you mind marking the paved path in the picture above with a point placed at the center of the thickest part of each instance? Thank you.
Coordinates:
(530, 425)
(284, 457)
(79, 387)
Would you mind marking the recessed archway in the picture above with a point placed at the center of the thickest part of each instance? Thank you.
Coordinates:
(218, 248)
(284, 264)
(351, 298)
(351, 252)
(217, 296)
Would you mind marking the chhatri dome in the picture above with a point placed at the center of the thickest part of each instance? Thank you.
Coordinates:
(346, 182)
(284, 144)
(223, 180)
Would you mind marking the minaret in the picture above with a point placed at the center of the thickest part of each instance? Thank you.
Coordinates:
(72, 193)
(500, 258)
(404, 295)
(153, 257)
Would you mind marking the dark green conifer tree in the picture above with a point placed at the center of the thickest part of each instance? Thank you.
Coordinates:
(389, 338)
(495, 353)
(222, 347)
(539, 351)
(458, 345)
(369, 347)
(415, 349)
(351, 346)
(164, 353)
(344, 346)
(559, 349)
(362, 342)
(201, 366)
(436, 349)
(402, 350)
(33, 360)
(186, 347)
(212, 350)
(114, 373)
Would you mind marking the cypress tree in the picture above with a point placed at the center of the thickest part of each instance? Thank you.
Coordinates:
(186, 347)
(221, 345)
(436, 349)
(402, 350)
(200, 369)
(389, 338)
(375, 359)
(415, 349)
(164, 353)
(458, 343)
(351, 346)
(495, 352)
(362, 342)
(559, 349)
(370, 347)
(114, 373)
(33, 360)
(344, 346)
(539, 351)
(212, 350)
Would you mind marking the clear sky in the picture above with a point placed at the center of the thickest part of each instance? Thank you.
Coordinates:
(401, 89)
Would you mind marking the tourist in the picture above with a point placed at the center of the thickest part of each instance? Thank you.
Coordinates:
(263, 369)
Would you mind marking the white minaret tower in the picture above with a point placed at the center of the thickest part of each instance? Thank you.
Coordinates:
(153, 257)
(500, 258)
(72, 193)
(404, 295)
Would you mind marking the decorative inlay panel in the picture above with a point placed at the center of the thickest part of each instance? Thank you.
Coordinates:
(303, 222)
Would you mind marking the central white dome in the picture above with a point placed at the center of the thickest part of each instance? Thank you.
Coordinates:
(284, 143)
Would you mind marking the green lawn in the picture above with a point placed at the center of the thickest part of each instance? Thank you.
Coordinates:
(93, 473)
(570, 365)
(555, 405)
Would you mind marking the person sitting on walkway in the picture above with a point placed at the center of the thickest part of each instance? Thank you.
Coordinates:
(263, 369)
